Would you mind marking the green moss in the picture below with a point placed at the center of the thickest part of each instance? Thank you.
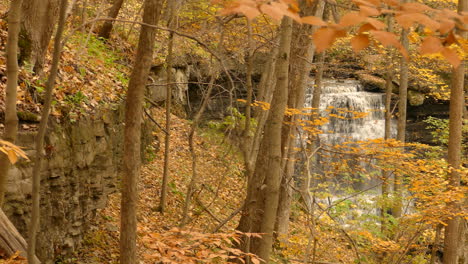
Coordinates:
(28, 116)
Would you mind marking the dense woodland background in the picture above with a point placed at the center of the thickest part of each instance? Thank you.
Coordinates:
(197, 131)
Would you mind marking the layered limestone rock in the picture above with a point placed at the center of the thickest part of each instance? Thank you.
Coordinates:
(79, 172)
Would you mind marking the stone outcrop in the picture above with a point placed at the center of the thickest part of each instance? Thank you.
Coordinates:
(79, 172)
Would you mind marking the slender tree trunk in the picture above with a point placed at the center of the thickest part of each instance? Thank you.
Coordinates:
(303, 51)
(247, 144)
(172, 5)
(435, 245)
(388, 129)
(265, 94)
(113, 13)
(11, 118)
(401, 127)
(196, 120)
(36, 177)
(194, 178)
(457, 104)
(272, 139)
(132, 132)
(314, 146)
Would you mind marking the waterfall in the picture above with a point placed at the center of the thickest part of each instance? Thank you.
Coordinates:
(341, 97)
(348, 94)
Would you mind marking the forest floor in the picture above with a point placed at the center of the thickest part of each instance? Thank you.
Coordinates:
(219, 192)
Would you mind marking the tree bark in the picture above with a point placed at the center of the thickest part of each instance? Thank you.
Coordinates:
(11, 118)
(303, 50)
(264, 186)
(38, 25)
(272, 139)
(132, 132)
(387, 134)
(171, 23)
(106, 28)
(36, 178)
(401, 126)
(196, 121)
(457, 104)
(11, 240)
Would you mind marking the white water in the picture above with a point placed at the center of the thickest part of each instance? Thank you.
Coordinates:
(348, 94)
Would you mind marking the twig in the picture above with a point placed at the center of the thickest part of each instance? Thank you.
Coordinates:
(154, 121)
(222, 223)
(207, 210)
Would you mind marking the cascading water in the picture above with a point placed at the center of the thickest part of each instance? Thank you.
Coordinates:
(343, 98)
(348, 94)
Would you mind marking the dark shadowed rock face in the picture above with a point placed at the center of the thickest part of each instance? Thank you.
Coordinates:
(79, 172)
(416, 129)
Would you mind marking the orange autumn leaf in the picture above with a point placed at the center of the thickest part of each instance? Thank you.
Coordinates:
(406, 20)
(313, 20)
(351, 19)
(366, 27)
(368, 11)
(430, 45)
(446, 26)
(451, 56)
(377, 24)
(389, 39)
(324, 37)
(360, 42)
(415, 7)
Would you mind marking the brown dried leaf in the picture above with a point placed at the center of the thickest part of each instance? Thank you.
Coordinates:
(12, 156)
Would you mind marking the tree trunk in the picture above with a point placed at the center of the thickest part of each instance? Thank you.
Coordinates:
(246, 135)
(196, 120)
(37, 28)
(171, 23)
(11, 118)
(387, 134)
(113, 13)
(303, 53)
(401, 127)
(132, 132)
(457, 103)
(263, 189)
(36, 178)
(272, 139)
